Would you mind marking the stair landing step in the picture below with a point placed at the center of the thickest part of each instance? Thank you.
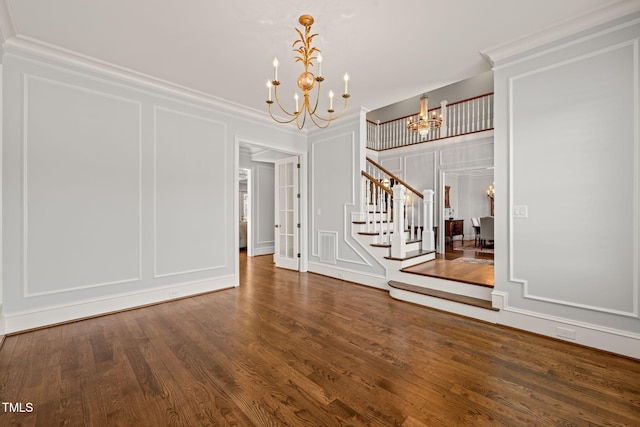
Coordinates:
(462, 299)
(473, 274)
(410, 255)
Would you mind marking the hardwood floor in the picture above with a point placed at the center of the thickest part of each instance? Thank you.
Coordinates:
(288, 348)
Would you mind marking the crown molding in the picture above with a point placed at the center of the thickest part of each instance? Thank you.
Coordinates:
(7, 26)
(28, 48)
(568, 27)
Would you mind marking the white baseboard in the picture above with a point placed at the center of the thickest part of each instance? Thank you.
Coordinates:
(359, 277)
(607, 339)
(263, 251)
(21, 321)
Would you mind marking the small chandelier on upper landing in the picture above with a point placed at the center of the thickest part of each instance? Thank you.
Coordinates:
(424, 124)
(306, 82)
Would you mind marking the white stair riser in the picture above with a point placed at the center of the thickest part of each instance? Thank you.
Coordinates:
(445, 305)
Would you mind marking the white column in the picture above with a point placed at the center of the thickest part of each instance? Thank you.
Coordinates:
(428, 238)
(444, 128)
(398, 239)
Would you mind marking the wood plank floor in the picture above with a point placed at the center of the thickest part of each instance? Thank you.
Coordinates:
(288, 348)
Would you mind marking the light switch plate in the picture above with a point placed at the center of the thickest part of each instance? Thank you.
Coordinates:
(520, 211)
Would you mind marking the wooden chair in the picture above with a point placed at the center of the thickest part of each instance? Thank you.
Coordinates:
(475, 223)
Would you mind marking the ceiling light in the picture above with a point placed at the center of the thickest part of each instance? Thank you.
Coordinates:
(306, 82)
(424, 124)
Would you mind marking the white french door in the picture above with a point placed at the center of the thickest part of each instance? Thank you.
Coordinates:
(287, 213)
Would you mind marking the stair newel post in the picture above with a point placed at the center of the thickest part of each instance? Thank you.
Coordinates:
(369, 196)
(398, 239)
(420, 221)
(389, 217)
(412, 227)
(363, 200)
(428, 238)
(378, 218)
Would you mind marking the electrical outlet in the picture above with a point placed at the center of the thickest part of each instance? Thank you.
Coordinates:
(566, 333)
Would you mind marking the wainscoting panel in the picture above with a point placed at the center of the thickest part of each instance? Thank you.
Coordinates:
(585, 160)
(465, 154)
(393, 164)
(420, 171)
(332, 184)
(82, 188)
(190, 193)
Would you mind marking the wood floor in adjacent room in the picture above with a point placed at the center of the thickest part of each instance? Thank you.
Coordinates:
(288, 348)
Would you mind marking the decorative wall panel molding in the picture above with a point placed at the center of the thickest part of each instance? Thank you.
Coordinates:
(190, 193)
(81, 188)
(592, 145)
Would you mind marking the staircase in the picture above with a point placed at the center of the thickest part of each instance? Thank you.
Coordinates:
(395, 224)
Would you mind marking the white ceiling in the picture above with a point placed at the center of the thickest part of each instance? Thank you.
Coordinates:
(392, 50)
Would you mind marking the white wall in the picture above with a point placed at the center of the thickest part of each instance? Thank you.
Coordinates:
(337, 158)
(567, 148)
(116, 192)
(1, 162)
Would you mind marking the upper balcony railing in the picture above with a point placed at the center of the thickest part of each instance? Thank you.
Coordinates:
(458, 118)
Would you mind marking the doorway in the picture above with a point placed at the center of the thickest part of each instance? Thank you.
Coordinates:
(244, 208)
(465, 190)
(260, 160)
(287, 213)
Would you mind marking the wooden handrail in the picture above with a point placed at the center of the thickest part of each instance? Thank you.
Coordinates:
(377, 183)
(382, 168)
(470, 99)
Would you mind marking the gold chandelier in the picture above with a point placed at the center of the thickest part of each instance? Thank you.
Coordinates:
(424, 124)
(306, 82)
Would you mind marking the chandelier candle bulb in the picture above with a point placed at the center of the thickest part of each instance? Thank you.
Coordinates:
(269, 86)
(275, 69)
(330, 100)
(296, 97)
(319, 65)
(346, 83)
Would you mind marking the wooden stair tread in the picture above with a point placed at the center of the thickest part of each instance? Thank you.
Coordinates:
(462, 299)
(381, 245)
(410, 255)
